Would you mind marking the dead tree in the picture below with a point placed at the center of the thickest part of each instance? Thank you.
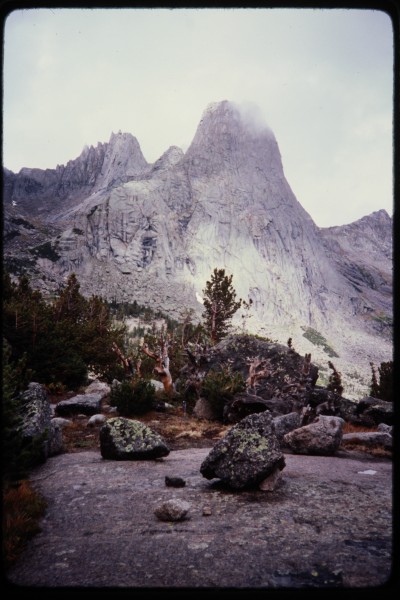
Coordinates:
(162, 362)
(254, 375)
(125, 360)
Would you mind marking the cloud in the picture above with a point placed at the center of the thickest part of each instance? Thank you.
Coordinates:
(322, 81)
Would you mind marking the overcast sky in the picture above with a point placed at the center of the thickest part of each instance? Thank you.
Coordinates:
(322, 79)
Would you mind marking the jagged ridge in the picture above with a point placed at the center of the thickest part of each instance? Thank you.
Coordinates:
(154, 233)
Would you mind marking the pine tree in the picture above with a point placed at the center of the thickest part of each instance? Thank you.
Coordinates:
(384, 388)
(220, 304)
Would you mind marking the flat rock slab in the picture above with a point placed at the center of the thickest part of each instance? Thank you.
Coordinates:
(327, 524)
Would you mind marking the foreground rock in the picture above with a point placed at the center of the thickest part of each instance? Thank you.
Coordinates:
(247, 455)
(172, 510)
(323, 436)
(125, 439)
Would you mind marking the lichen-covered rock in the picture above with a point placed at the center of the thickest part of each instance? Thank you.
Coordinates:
(87, 404)
(322, 437)
(247, 455)
(126, 439)
(37, 427)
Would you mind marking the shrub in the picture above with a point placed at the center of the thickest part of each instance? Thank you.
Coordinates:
(220, 386)
(133, 398)
(22, 510)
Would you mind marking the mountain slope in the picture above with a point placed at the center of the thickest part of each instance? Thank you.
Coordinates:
(155, 233)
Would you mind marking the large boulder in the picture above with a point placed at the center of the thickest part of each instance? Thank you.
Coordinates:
(321, 437)
(126, 439)
(282, 382)
(37, 429)
(247, 455)
(87, 404)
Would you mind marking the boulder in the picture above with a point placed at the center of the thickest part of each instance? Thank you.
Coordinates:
(321, 437)
(37, 425)
(87, 404)
(204, 410)
(98, 387)
(371, 439)
(247, 455)
(126, 439)
(285, 423)
(94, 420)
(61, 422)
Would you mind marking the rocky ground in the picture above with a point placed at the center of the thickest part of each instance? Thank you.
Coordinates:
(328, 524)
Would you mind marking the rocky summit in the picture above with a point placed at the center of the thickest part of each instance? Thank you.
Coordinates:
(154, 233)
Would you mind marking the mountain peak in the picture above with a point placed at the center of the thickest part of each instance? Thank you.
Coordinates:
(229, 133)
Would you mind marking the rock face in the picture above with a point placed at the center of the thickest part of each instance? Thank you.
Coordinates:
(247, 455)
(124, 439)
(154, 233)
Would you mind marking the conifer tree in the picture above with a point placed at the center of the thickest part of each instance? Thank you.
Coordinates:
(220, 304)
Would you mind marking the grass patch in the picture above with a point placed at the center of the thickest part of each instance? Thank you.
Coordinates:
(316, 338)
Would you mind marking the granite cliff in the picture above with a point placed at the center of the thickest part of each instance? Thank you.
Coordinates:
(155, 232)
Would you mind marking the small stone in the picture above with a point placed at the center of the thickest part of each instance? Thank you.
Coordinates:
(174, 482)
(207, 511)
(172, 510)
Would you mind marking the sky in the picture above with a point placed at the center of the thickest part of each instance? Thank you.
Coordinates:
(322, 80)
